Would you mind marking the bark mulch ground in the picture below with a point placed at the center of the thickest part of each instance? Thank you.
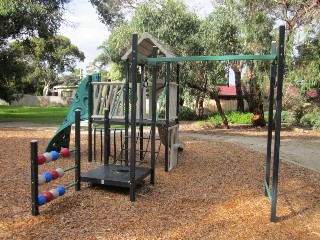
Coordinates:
(215, 192)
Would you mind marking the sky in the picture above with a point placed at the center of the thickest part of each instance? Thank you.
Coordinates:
(89, 33)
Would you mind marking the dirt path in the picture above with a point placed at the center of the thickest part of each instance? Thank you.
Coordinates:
(304, 152)
(299, 147)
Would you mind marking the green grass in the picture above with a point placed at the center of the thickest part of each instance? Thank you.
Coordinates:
(44, 115)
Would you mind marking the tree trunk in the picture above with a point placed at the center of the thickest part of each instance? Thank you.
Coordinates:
(196, 105)
(255, 102)
(240, 101)
(46, 90)
(215, 96)
(200, 108)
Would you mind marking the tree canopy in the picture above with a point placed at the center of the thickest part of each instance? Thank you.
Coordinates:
(32, 18)
(233, 27)
(25, 21)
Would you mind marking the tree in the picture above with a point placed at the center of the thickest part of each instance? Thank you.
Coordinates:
(307, 64)
(12, 70)
(73, 77)
(48, 58)
(174, 25)
(294, 13)
(242, 27)
(32, 18)
(113, 12)
(23, 20)
(301, 18)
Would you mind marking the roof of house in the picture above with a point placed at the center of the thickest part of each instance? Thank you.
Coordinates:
(312, 94)
(227, 91)
(145, 46)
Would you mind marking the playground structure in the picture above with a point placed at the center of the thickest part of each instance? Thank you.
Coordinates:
(48, 157)
(105, 104)
(125, 104)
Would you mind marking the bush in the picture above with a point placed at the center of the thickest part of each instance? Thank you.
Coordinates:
(239, 117)
(312, 120)
(316, 123)
(306, 119)
(298, 114)
(232, 116)
(187, 114)
(287, 117)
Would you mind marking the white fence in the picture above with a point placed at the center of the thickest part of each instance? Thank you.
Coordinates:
(43, 101)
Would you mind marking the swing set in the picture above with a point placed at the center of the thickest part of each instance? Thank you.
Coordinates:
(276, 81)
(136, 105)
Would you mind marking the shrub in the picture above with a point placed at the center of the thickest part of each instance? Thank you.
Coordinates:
(232, 116)
(298, 114)
(316, 123)
(306, 119)
(287, 117)
(312, 120)
(187, 114)
(239, 117)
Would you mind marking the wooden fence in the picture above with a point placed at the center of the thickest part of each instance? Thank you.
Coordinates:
(227, 105)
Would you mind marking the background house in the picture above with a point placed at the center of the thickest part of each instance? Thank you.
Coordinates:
(228, 98)
(64, 91)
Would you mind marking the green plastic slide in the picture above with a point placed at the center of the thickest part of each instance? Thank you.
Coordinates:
(61, 139)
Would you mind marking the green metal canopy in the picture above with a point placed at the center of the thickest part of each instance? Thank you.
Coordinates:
(209, 58)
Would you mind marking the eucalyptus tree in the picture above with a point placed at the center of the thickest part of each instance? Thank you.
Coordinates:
(47, 58)
(307, 64)
(23, 19)
(257, 36)
(114, 12)
(301, 18)
(243, 27)
(174, 25)
(169, 21)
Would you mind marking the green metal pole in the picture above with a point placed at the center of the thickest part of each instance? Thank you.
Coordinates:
(90, 112)
(78, 151)
(126, 116)
(34, 178)
(270, 119)
(153, 116)
(178, 92)
(278, 124)
(133, 115)
(167, 116)
(106, 145)
(141, 112)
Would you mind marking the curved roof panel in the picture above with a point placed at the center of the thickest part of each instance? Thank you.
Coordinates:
(145, 45)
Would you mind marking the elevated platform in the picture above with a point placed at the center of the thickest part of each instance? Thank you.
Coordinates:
(115, 175)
